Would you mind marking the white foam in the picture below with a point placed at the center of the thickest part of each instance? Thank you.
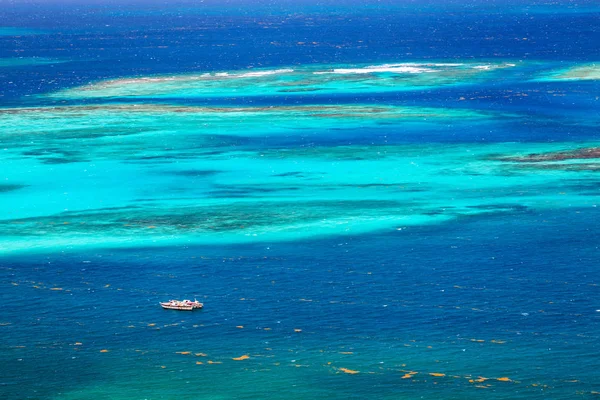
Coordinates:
(429, 64)
(393, 68)
(265, 73)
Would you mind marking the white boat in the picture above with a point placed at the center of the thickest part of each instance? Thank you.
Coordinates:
(182, 305)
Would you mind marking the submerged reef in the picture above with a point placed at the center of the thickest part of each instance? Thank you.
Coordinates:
(324, 79)
(155, 170)
(567, 160)
(584, 72)
(575, 154)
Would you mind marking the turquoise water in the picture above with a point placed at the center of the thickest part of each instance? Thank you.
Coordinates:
(190, 174)
(370, 203)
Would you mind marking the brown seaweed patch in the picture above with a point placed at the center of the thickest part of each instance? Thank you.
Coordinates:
(325, 111)
(575, 154)
(196, 219)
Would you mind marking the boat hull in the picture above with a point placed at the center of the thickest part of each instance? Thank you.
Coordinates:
(184, 305)
(180, 308)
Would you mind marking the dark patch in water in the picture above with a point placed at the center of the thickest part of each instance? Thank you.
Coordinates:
(171, 220)
(195, 173)
(492, 207)
(10, 187)
(294, 173)
(224, 191)
(398, 186)
(60, 160)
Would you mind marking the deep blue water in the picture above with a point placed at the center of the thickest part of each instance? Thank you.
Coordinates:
(528, 280)
(114, 40)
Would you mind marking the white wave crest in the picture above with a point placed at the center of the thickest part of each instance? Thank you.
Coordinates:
(265, 73)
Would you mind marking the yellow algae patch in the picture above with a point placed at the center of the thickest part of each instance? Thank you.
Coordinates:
(56, 288)
(200, 354)
(297, 330)
(151, 324)
(162, 366)
(409, 374)
(240, 326)
(478, 340)
(267, 329)
(183, 352)
(240, 358)
(436, 374)
(504, 379)
(214, 362)
(349, 371)
(498, 341)
(199, 363)
(103, 351)
(481, 379)
(346, 352)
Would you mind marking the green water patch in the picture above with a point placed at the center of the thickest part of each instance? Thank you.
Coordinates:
(328, 79)
(581, 72)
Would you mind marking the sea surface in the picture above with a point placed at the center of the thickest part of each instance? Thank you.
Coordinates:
(374, 200)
